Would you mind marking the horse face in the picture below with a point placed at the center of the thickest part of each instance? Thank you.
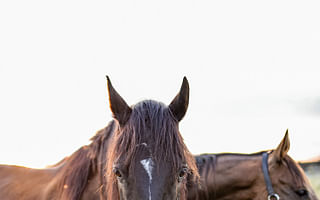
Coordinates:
(148, 157)
(291, 183)
(288, 179)
(150, 179)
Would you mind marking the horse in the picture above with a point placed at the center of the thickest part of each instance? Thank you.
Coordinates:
(271, 175)
(140, 154)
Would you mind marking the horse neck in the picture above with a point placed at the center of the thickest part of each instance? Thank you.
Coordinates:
(77, 176)
(234, 177)
(93, 189)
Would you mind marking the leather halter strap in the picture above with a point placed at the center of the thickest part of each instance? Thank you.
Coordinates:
(271, 194)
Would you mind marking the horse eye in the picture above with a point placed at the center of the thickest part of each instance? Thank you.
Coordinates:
(302, 192)
(117, 172)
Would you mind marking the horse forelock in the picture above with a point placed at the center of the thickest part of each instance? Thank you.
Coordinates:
(150, 123)
(295, 171)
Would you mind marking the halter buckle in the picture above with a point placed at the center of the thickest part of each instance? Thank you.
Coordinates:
(273, 197)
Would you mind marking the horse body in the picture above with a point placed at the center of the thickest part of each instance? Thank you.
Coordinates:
(226, 177)
(240, 176)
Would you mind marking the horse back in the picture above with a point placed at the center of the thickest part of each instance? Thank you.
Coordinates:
(25, 183)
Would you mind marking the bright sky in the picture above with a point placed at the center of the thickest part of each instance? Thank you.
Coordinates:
(253, 68)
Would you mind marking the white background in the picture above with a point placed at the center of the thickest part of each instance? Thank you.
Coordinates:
(253, 69)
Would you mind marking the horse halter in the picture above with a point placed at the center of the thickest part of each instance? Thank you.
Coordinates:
(271, 194)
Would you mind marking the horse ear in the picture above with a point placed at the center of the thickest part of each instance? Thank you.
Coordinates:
(281, 151)
(119, 108)
(179, 104)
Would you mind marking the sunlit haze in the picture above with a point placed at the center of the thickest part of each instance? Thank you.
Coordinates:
(253, 69)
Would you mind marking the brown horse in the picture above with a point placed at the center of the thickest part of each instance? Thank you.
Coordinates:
(252, 176)
(139, 155)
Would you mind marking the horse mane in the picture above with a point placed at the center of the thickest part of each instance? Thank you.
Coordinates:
(82, 164)
(148, 117)
(74, 175)
(206, 164)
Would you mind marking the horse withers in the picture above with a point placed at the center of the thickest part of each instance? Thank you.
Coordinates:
(140, 155)
(267, 175)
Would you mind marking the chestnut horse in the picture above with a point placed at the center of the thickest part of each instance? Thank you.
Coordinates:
(140, 155)
(265, 175)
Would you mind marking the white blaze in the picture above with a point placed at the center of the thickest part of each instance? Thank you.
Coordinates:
(148, 165)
